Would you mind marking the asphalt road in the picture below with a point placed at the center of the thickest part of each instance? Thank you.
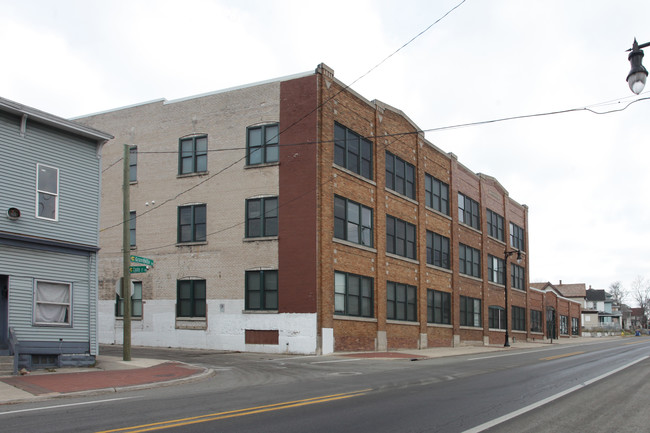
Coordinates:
(269, 393)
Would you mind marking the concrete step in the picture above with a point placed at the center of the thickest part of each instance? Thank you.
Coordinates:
(6, 365)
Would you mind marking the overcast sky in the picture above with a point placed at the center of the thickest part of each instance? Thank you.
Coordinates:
(584, 176)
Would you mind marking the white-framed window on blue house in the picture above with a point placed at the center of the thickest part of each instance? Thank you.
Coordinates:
(52, 303)
(47, 192)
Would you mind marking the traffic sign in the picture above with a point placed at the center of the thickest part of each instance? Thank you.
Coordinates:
(137, 269)
(142, 260)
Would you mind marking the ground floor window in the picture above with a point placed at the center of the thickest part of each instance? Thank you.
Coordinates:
(136, 300)
(496, 317)
(535, 321)
(52, 303)
(353, 295)
(190, 298)
(518, 318)
(470, 311)
(564, 325)
(262, 290)
(438, 307)
(401, 301)
(575, 326)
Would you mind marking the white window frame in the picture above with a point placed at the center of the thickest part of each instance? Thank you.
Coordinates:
(67, 304)
(54, 194)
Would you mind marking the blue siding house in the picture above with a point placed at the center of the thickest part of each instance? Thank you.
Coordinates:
(50, 171)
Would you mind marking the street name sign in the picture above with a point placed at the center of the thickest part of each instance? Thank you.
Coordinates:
(137, 269)
(142, 260)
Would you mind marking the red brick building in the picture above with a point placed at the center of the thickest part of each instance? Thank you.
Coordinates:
(369, 238)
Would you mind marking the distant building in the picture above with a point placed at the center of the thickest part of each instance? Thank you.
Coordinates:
(50, 184)
(295, 215)
(600, 311)
(562, 308)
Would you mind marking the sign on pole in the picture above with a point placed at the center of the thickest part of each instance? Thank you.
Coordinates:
(137, 269)
(142, 260)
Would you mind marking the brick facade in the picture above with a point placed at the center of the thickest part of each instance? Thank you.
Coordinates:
(306, 252)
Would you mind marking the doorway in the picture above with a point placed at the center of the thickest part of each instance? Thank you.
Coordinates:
(550, 323)
(4, 313)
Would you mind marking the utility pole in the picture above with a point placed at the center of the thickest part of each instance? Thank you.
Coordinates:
(126, 252)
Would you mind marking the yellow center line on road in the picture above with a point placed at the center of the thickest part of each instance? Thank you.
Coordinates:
(634, 342)
(550, 358)
(235, 413)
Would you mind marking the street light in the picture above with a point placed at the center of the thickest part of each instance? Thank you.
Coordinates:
(505, 271)
(638, 74)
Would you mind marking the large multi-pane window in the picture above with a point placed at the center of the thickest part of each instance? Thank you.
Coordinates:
(496, 317)
(191, 223)
(400, 237)
(401, 301)
(190, 298)
(136, 300)
(575, 326)
(438, 250)
(262, 290)
(132, 228)
(47, 192)
(400, 175)
(52, 303)
(535, 321)
(564, 325)
(436, 194)
(353, 295)
(518, 280)
(495, 225)
(518, 318)
(495, 269)
(438, 307)
(516, 237)
(352, 151)
(470, 311)
(469, 261)
(262, 144)
(193, 154)
(352, 222)
(133, 163)
(261, 217)
(468, 211)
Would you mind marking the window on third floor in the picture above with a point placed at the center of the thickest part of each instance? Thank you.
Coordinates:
(262, 144)
(400, 175)
(193, 154)
(468, 211)
(352, 151)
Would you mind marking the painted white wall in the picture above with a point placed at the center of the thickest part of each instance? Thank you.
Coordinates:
(226, 324)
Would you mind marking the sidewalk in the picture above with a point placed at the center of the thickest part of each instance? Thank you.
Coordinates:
(111, 374)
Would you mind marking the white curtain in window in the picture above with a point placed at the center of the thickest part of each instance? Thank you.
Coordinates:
(52, 302)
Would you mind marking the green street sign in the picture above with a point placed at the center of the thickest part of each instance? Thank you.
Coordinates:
(137, 269)
(142, 260)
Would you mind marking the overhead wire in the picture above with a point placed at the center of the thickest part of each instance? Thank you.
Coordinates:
(297, 121)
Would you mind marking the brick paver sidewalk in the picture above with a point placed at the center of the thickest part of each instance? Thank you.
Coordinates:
(39, 384)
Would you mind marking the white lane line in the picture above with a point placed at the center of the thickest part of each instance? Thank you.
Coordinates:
(69, 405)
(523, 410)
(524, 351)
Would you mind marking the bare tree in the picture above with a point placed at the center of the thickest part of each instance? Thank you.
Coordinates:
(640, 292)
(618, 292)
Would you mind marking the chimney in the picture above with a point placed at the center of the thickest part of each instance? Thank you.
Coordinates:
(560, 282)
